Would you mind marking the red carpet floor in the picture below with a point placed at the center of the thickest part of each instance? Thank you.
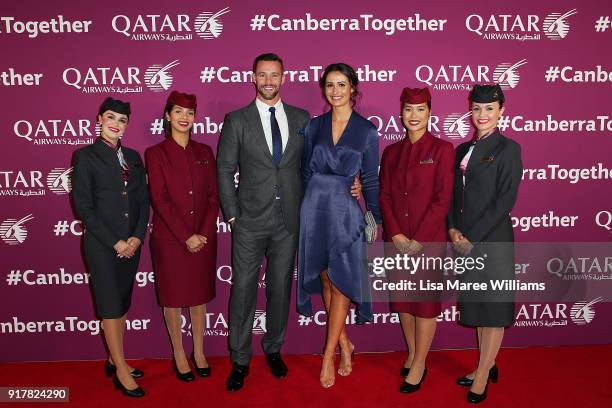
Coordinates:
(533, 377)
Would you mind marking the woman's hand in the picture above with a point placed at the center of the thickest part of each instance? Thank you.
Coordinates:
(414, 247)
(134, 242)
(455, 235)
(401, 242)
(124, 250)
(460, 242)
(194, 243)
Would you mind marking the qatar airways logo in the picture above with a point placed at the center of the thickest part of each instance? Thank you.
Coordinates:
(23, 183)
(157, 78)
(515, 27)
(556, 25)
(259, 323)
(457, 125)
(584, 312)
(207, 25)
(42, 132)
(217, 324)
(13, 231)
(59, 181)
(462, 77)
(224, 274)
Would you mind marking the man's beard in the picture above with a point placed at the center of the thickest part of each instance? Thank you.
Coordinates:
(262, 92)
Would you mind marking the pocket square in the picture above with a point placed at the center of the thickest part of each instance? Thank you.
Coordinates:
(428, 161)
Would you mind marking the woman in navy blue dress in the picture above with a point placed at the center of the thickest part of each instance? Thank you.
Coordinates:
(338, 146)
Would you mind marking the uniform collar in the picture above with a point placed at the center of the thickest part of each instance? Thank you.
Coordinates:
(171, 143)
(425, 139)
(109, 144)
(491, 132)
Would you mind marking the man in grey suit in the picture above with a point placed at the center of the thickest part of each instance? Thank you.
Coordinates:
(262, 140)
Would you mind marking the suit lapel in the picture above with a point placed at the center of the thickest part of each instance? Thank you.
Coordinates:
(134, 165)
(109, 157)
(256, 128)
(481, 149)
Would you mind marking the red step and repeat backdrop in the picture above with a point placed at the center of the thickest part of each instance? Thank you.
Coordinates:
(61, 58)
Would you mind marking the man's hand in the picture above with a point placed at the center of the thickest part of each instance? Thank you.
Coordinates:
(356, 188)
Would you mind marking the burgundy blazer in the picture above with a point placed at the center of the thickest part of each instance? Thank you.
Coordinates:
(416, 184)
(183, 189)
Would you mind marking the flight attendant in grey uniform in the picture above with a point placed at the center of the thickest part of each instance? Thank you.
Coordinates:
(109, 191)
(488, 172)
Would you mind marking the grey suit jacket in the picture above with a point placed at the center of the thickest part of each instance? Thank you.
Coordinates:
(243, 144)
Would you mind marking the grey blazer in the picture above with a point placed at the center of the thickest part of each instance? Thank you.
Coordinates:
(481, 208)
(243, 144)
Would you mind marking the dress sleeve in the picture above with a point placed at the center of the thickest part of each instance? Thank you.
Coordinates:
(451, 222)
(369, 175)
(509, 175)
(143, 195)
(390, 223)
(212, 199)
(307, 153)
(83, 199)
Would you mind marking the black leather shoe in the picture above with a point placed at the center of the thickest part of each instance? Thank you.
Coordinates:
(277, 365)
(407, 388)
(474, 398)
(493, 376)
(110, 369)
(235, 381)
(135, 393)
(186, 377)
(404, 372)
(202, 372)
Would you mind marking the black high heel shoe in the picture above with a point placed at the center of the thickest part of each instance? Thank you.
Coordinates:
(202, 372)
(186, 377)
(135, 393)
(493, 376)
(404, 372)
(474, 398)
(110, 369)
(407, 388)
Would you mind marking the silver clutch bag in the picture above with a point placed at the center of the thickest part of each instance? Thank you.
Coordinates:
(371, 229)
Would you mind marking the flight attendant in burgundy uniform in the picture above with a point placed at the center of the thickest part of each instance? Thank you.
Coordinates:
(416, 184)
(183, 187)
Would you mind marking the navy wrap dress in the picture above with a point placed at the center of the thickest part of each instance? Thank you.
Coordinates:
(332, 222)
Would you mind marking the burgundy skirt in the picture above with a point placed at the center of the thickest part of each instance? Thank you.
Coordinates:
(183, 278)
(417, 303)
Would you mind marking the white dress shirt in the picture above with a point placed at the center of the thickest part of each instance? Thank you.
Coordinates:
(281, 118)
